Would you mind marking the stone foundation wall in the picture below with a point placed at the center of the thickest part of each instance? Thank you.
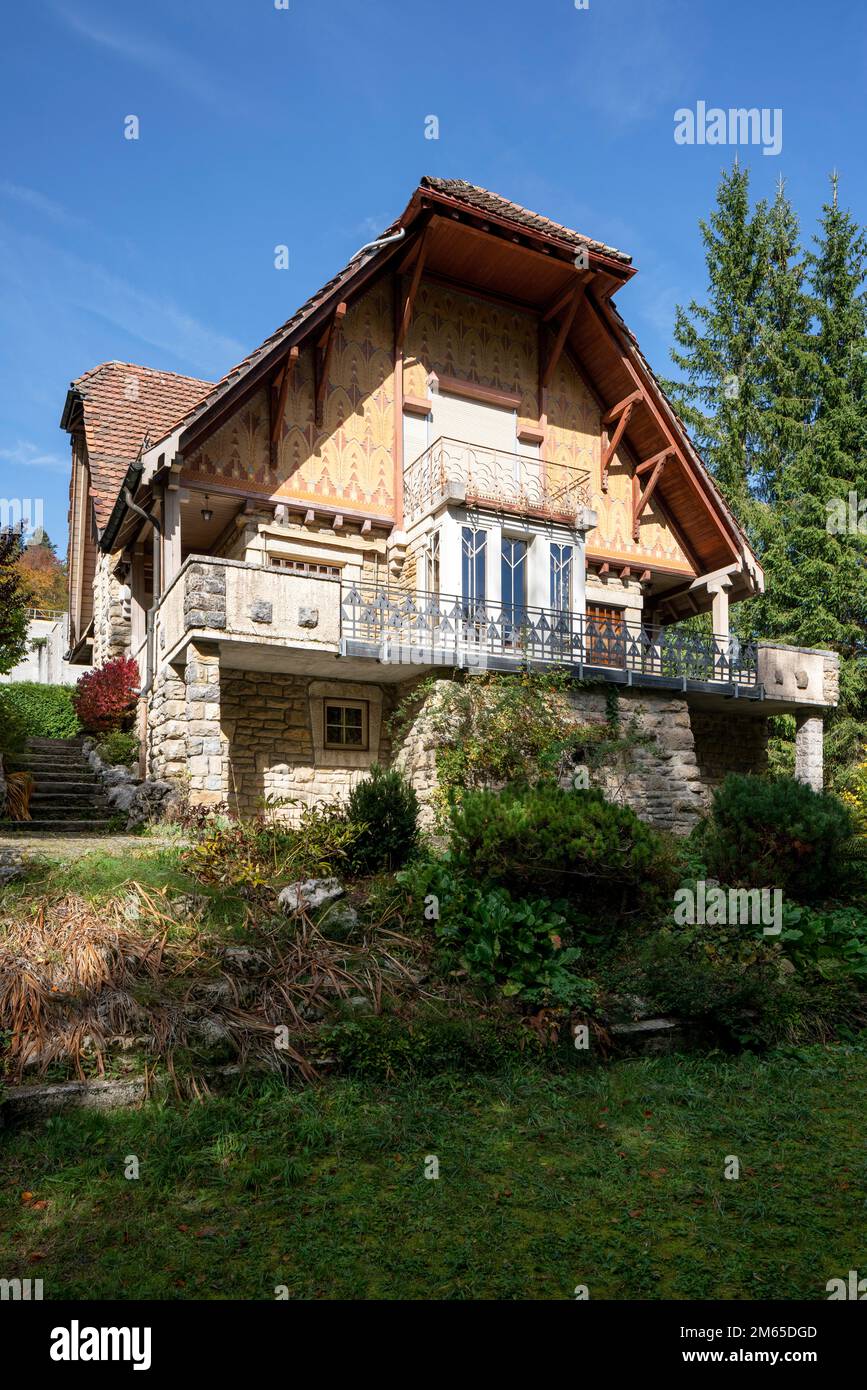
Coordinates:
(185, 739)
(728, 743)
(112, 628)
(272, 745)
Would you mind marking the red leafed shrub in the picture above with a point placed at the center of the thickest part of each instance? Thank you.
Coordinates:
(105, 699)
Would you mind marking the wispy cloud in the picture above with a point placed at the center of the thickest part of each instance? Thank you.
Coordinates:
(173, 65)
(38, 202)
(79, 289)
(24, 454)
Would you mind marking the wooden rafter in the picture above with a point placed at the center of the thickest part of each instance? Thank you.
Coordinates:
(277, 399)
(409, 298)
(553, 356)
(322, 357)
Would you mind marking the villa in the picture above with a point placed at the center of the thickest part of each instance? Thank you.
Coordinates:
(454, 457)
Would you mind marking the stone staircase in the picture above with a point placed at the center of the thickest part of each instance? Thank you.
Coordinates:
(67, 796)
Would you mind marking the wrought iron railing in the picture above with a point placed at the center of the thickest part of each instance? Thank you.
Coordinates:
(439, 628)
(491, 477)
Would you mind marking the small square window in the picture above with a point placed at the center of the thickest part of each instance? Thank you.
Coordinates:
(346, 724)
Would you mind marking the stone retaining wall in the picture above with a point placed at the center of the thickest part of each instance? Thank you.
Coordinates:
(728, 743)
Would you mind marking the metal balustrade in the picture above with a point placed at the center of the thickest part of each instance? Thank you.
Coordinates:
(442, 629)
(475, 474)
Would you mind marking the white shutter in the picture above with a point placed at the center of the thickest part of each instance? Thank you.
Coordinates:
(474, 422)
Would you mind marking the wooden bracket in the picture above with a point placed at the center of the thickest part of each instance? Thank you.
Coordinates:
(610, 446)
(553, 356)
(409, 298)
(322, 359)
(277, 401)
(640, 499)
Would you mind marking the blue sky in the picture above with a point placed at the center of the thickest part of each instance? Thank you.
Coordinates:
(305, 126)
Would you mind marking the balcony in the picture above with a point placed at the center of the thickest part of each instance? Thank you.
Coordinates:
(268, 619)
(453, 471)
(435, 630)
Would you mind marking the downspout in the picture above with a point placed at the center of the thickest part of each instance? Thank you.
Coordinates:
(372, 246)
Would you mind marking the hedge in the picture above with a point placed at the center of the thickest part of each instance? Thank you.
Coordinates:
(30, 710)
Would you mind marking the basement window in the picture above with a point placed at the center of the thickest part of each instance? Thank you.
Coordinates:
(346, 724)
(304, 566)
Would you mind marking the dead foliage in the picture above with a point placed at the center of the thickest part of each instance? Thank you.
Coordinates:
(81, 984)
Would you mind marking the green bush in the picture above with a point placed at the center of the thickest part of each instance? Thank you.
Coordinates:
(118, 748)
(42, 711)
(735, 985)
(384, 807)
(831, 942)
(13, 731)
(776, 832)
(511, 944)
(572, 845)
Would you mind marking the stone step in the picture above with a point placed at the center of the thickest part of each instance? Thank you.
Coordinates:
(55, 806)
(75, 773)
(65, 791)
(56, 827)
(54, 745)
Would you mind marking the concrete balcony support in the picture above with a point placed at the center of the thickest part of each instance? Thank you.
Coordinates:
(809, 749)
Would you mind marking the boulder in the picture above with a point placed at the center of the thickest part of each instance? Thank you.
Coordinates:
(338, 921)
(11, 866)
(311, 894)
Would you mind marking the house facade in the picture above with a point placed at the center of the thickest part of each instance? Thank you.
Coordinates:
(452, 458)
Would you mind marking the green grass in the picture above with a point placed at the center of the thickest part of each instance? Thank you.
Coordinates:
(610, 1177)
(103, 876)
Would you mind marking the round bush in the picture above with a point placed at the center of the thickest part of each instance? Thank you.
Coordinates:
(768, 832)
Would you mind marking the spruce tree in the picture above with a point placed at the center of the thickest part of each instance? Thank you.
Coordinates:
(718, 344)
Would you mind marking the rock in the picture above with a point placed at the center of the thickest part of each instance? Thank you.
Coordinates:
(121, 797)
(359, 1004)
(244, 959)
(310, 894)
(338, 921)
(11, 866)
(187, 905)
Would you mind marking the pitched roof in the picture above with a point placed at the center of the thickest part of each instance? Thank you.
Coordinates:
(498, 206)
(121, 403)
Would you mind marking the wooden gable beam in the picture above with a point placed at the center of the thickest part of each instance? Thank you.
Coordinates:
(649, 464)
(610, 446)
(663, 425)
(277, 400)
(553, 357)
(322, 358)
(626, 404)
(641, 499)
(409, 299)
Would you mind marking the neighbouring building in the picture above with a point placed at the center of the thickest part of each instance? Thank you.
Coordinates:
(47, 649)
(453, 457)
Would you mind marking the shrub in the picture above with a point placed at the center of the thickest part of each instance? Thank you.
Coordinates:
(105, 698)
(384, 807)
(777, 832)
(13, 732)
(734, 985)
(563, 844)
(39, 711)
(118, 748)
(252, 856)
(503, 942)
(833, 943)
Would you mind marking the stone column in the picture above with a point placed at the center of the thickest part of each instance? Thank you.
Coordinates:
(809, 750)
(207, 749)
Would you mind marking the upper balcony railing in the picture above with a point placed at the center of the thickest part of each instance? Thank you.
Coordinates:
(439, 630)
(475, 474)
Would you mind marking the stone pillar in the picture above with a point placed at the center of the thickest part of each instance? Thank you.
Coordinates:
(207, 749)
(809, 750)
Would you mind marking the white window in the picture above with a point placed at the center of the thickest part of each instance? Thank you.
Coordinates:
(283, 562)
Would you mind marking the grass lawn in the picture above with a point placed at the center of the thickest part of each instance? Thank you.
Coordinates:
(608, 1176)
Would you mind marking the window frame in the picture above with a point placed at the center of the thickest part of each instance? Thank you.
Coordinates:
(341, 746)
